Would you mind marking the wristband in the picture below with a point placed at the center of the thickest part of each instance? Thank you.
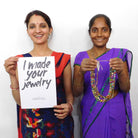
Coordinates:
(14, 89)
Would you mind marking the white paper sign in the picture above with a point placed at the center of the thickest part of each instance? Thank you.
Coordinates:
(37, 82)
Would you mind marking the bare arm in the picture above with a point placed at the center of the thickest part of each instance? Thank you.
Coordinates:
(78, 81)
(124, 81)
(11, 69)
(15, 85)
(67, 75)
(87, 64)
(64, 109)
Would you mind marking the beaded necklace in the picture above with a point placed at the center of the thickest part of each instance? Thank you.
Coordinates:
(95, 91)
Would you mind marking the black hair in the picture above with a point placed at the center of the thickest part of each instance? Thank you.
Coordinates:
(37, 12)
(107, 20)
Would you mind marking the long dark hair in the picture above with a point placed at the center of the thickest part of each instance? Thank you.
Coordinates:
(37, 12)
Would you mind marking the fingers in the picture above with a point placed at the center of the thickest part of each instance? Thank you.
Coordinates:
(117, 64)
(10, 65)
(61, 111)
(88, 65)
(61, 116)
(10, 61)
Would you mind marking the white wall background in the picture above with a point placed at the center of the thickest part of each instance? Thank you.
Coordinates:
(70, 23)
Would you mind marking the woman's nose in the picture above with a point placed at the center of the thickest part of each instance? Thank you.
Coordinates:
(99, 33)
(37, 29)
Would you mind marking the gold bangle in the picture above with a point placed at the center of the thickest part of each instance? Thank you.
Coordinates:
(14, 89)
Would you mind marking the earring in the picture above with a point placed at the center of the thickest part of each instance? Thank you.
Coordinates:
(49, 35)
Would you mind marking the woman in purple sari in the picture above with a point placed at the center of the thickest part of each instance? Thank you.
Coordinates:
(102, 75)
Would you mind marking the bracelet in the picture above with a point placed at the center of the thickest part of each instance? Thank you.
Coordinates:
(14, 89)
(71, 107)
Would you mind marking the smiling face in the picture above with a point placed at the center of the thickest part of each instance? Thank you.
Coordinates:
(38, 30)
(100, 32)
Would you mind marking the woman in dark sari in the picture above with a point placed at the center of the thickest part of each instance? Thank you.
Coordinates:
(102, 75)
(55, 122)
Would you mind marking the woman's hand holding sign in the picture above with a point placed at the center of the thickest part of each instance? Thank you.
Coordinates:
(10, 65)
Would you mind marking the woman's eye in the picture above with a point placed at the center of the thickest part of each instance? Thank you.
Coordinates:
(43, 26)
(31, 27)
(105, 29)
(94, 30)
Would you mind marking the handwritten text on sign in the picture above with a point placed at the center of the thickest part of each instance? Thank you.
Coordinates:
(37, 82)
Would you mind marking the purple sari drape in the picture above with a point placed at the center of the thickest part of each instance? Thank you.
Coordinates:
(112, 119)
